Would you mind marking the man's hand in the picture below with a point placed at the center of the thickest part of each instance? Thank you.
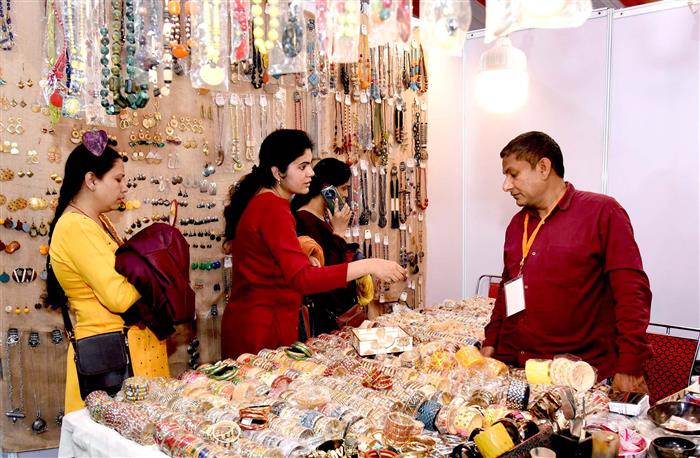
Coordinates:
(488, 352)
(625, 382)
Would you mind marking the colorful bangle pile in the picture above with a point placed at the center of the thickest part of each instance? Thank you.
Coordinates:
(135, 388)
(298, 351)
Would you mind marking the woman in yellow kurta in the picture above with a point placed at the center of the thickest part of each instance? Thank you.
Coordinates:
(81, 261)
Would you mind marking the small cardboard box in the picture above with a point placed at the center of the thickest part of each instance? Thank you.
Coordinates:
(378, 341)
(628, 403)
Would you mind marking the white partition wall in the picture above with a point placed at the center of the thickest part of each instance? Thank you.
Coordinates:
(566, 100)
(653, 161)
(628, 126)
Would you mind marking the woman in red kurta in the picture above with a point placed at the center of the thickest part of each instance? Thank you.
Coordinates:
(270, 271)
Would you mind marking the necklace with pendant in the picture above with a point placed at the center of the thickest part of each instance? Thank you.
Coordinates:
(13, 340)
(39, 424)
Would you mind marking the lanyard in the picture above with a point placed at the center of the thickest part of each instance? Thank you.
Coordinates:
(528, 241)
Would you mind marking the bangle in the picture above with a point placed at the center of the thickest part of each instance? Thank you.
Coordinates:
(494, 441)
(427, 412)
(518, 394)
(302, 348)
(296, 355)
(381, 453)
(254, 418)
(537, 371)
(224, 433)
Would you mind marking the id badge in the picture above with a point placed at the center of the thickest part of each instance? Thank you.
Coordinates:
(515, 296)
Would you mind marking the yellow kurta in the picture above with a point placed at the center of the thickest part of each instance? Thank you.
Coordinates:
(82, 257)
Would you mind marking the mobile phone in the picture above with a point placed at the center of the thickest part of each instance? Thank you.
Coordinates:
(330, 195)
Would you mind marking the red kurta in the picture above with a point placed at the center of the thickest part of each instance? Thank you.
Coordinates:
(586, 292)
(270, 276)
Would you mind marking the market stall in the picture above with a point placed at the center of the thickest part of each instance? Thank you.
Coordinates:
(429, 394)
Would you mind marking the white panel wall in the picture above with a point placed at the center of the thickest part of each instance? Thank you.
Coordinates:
(567, 71)
(445, 217)
(654, 150)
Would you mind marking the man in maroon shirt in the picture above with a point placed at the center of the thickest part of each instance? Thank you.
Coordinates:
(580, 275)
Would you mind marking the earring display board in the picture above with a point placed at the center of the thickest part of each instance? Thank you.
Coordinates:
(190, 147)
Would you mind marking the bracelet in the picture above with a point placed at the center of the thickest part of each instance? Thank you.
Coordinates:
(224, 433)
(254, 418)
(302, 348)
(427, 413)
(494, 441)
(518, 394)
(381, 453)
(537, 371)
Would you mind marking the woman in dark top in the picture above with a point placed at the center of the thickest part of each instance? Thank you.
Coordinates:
(315, 219)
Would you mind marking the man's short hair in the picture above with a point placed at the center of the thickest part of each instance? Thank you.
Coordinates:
(533, 146)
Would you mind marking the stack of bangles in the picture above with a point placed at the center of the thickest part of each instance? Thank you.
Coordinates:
(298, 351)
(226, 369)
(254, 418)
(377, 380)
(224, 433)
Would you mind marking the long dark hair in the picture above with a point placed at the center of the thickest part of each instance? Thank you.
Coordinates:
(279, 149)
(79, 163)
(327, 172)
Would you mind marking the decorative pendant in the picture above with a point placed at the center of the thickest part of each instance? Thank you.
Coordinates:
(212, 75)
(39, 425)
(15, 414)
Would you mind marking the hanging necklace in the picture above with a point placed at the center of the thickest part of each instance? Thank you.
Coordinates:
(298, 111)
(292, 35)
(382, 198)
(248, 118)
(39, 424)
(235, 142)
(402, 193)
(13, 340)
(212, 72)
(394, 194)
(365, 214)
(263, 116)
(239, 31)
(220, 102)
(56, 340)
(7, 36)
(373, 196)
(313, 78)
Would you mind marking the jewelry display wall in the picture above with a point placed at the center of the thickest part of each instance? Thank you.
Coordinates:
(189, 146)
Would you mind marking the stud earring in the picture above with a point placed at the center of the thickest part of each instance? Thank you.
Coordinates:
(30, 83)
(20, 84)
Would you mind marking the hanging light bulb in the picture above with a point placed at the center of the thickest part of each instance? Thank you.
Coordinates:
(501, 85)
(444, 24)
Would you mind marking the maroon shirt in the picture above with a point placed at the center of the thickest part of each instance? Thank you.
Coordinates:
(586, 293)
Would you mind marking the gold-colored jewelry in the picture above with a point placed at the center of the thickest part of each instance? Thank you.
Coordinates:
(75, 136)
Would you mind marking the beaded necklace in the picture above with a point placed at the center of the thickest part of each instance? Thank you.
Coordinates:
(211, 72)
(7, 37)
(239, 31)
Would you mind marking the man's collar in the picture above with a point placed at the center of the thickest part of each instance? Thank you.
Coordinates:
(565, 201)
